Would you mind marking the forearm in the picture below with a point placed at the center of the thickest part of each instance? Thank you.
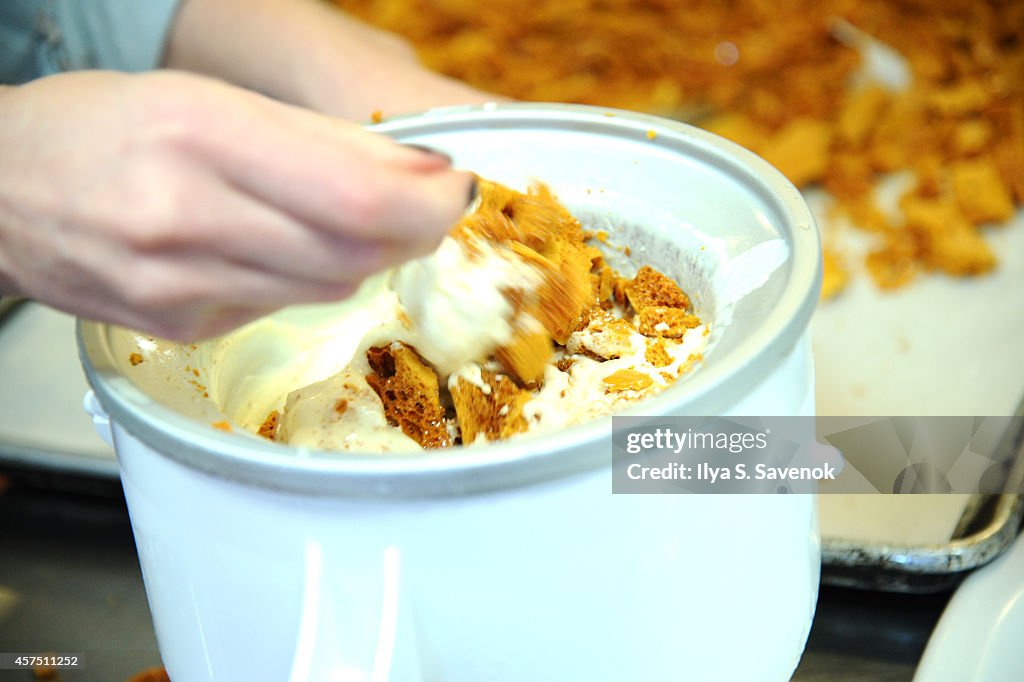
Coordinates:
(6, 219)
(308, 53)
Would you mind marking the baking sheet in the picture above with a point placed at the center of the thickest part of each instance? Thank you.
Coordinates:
(42, 423)
(941, 346)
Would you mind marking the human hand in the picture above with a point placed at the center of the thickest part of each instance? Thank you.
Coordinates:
(184, 207)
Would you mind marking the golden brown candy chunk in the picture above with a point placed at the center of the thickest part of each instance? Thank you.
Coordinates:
(544, 234)
(496, 412)
(627, 380)
(527, 356)
(893, 265)
(980, 192)
(409, 391)
(657, 354)
(792, 88)
(658, 320)
(800, 150)
(651, 288)
(943, 237)
(268, 429)
(835, 275)
(605, 336)
(567, 292)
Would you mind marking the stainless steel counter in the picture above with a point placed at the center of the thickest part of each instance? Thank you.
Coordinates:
(70, 583)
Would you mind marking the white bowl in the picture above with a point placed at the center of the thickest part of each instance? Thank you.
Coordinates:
(511, 561)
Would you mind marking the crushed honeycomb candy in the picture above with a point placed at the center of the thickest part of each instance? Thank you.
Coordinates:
(627, 380)
(409, 391)
(835, 275)
(619, 290)
(893, 265)
(790, 87)
(960, 251)
(651, 288)
(268, 429)
(980, 192)
(537, 228)
(800, 150)
(664, 321)
(657, 354)
(495, 414)
(605, 336)
(527, 356)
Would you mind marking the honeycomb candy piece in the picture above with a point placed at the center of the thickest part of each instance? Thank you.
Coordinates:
(860, 112)
(627, 380)
(527, 356)
(972, 136)
(601, 284)
(850, 177)
(957, 248)
(894, 264)
(597, 260)
(664, 321)
(736, 127)
(604, 336)
(409, 391)
(800, 150)
(651, 288)
(504, 215)
(835, 275)
(929, 216)
(566, 289)
(1008, 155)
(945, 239)
(268, 429)
(980, 192)
(657, 354)
(619, 290)
(566, 293)
(960, 250)
(533, 225)
(542, 232)
(495, 412)
(964, 97)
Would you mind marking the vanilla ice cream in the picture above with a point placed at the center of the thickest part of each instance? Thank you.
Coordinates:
(457, 304)
(433, 346)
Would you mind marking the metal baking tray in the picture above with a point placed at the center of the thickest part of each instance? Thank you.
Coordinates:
(988, 526)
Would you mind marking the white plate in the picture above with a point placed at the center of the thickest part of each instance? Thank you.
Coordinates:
(979, 634)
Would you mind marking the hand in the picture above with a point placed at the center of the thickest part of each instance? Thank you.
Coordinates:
(184, 207)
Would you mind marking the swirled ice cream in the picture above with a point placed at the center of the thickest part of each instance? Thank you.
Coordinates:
(516, 324)
(457, 300)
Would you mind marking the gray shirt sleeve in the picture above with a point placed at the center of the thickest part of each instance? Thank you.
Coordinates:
(40, 37)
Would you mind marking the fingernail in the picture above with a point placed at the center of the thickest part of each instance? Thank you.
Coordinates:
(429, 150)
(474, 194)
